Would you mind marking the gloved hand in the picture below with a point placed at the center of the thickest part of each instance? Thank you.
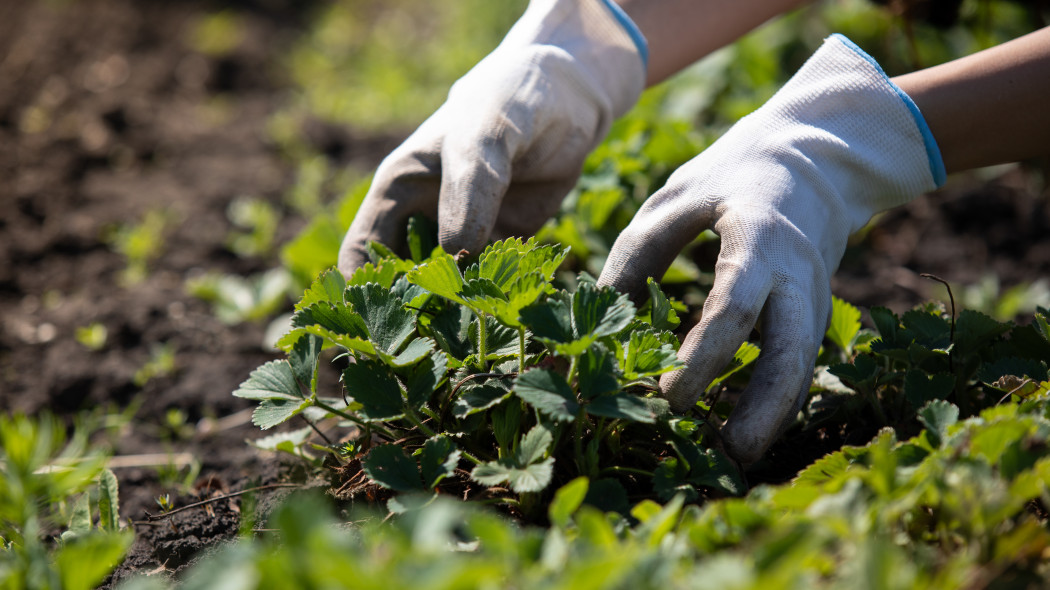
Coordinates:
(509, 143)
(784, 188)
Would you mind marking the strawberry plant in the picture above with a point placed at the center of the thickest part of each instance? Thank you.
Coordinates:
(926, 354)
(42, 475)
(488, 378)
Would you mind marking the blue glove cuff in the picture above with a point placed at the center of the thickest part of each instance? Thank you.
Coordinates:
(932, 151)
(632, 30)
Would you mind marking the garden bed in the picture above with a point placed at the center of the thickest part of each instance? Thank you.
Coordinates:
(108, 112)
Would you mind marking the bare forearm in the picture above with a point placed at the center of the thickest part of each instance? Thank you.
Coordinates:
(990, 107)
(680, 32)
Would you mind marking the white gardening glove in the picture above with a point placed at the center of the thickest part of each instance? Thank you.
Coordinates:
(784, 188)
(509, 143)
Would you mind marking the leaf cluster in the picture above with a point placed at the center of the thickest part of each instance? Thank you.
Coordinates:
(960, 505)
(925, 355)
(42, 475)
(487, 376)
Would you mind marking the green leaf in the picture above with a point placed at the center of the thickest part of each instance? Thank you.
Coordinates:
(283, 441)
(502, 342)
(440, 276)
(546, 259)
(474, 398)
(921, 387)
(937, 416)
(531, 478)
(845, 323)
(607, 495)
(390, 467)
(975, 330)
(303, 360)
(438, 460)
(451, 329)
(718, 472)
(382, 275)
(272, 380)
(85, 563)
(624, 406)
(327, 287)
(79, 519)
(271, 412)
(373, 385)
(506, 421)
(990, 373)
(599, 311)
(549, 321)
(337, 319)
(421, 237)
(422, 379)
(499, 262)
(567, 500)
(662, 315)
(598, 372)
(522, 292)
(416, 351)
(648, 355)
(108, 502)
(534, 445)
(671, 478)
(888, 324)
(746, 354)
(861, 374)
(388, 324)
(824, 469)
(929, 329)
(548, 392)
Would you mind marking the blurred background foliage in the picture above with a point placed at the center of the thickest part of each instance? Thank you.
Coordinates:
(383, 64)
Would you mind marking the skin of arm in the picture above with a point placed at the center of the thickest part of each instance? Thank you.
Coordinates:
(679, 32)
(989, 107)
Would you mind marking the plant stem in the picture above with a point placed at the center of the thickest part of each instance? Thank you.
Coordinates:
(577, 443)
(572, 368)
(414, 419)
(366, 426)
(483, 349)
(470, 457)
(877, 406)
(521, 349)
(619, 469)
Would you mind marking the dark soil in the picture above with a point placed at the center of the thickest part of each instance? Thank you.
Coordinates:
(106, 113)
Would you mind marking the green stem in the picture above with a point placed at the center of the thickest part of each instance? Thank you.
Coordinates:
(497, 501)
(483, 349)
(470, 457)
(365, 425)
(521, 349)
(414, 419)
(618, 469)
(877, 406)
(572, 368)
(430, 413)
(577, 443)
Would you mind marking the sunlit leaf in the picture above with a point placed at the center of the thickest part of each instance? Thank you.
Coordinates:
(845, 323)
(272, 380)
(440, 276)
